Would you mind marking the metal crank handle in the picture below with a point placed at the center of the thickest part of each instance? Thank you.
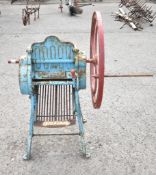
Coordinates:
(13, 61)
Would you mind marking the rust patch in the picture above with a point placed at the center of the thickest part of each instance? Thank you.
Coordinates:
(81, 73)
(54, 75)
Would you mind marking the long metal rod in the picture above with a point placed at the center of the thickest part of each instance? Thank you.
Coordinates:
(64, 100)
(56, 134)
(50, 113)
(53, 103)
(47, 101)
(39, 101)
(61, 103)
(128, 75)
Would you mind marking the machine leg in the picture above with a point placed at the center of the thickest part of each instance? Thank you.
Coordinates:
(83, 145)
(74, 110)
(27, 154)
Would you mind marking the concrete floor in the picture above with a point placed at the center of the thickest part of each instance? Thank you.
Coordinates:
(121, 135)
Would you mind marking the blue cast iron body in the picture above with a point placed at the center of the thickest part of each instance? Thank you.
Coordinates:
(51, 59)
(50, 62)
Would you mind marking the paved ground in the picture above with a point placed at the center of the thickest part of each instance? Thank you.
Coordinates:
(121, 135)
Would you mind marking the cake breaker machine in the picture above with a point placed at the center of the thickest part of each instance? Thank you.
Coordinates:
(52, 72)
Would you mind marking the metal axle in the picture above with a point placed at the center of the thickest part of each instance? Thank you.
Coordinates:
(127, 75)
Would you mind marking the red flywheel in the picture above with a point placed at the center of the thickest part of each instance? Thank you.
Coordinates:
(97, 59)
